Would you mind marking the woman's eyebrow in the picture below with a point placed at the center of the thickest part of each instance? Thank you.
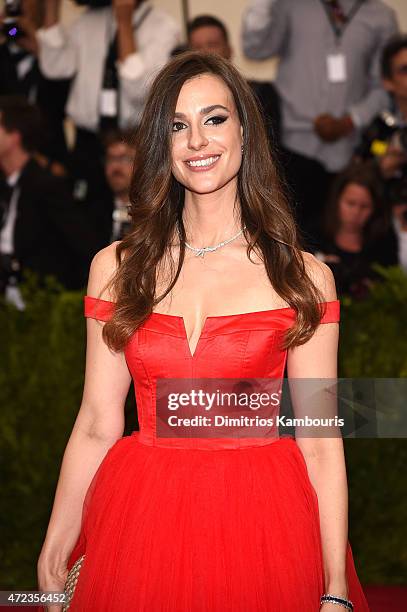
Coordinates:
(204, 111)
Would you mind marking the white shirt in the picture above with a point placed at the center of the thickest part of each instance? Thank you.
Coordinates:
(12, 292)
(120, 216)
(80, 52)
(300, 34)
(7, 231)
(402, 243)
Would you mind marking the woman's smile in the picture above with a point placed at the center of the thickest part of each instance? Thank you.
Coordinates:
(202, 163)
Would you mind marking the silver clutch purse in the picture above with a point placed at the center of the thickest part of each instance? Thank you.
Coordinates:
(71, 580)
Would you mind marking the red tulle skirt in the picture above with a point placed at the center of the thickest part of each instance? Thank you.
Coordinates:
(181, 530)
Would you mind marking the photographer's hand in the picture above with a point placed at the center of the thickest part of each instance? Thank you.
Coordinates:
(392, 161)
(28, 26)
(123, 12)
(331, 129)
(28, 40)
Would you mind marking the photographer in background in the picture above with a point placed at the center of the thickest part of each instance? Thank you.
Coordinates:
(385, 140)
(356, 231)
(119, 161)
(111, 51)
(328, 78)
(20, 74)
(18, 48)
(109, 214)
(40, 227)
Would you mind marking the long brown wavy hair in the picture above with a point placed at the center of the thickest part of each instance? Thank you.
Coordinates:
(157, 201)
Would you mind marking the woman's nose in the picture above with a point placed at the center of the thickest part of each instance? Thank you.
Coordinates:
(197, 138)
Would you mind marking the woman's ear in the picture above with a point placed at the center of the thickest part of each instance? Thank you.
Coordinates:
(241, 133)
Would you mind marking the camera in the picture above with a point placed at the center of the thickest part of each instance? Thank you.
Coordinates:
(10, 27)
(396, 133)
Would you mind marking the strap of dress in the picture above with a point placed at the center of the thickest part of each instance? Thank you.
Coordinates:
(332, 311)
(98, 309)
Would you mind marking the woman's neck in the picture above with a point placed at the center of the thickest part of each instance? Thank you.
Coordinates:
(349, 240)
(211, 218)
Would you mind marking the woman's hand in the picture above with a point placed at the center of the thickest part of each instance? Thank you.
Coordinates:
(51, 577)
(340, 589)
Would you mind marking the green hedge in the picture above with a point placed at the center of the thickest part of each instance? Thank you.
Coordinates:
(41, 381)
(373, 343)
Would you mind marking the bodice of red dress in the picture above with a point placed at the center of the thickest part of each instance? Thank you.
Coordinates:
(240, 346)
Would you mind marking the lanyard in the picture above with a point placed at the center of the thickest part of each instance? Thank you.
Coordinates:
(340, 29)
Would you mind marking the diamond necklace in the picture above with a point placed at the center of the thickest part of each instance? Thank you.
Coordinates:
(200, 252)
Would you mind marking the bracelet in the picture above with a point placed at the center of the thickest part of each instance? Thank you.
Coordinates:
(334, 599)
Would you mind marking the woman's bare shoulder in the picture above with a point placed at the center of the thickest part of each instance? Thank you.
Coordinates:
(102, 270)
(321, 275)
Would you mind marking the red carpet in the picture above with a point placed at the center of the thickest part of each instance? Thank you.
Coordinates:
(386, 598)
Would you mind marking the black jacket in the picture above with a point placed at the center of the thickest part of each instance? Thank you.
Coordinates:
(269, 101)
(353, 269)
(51, 235)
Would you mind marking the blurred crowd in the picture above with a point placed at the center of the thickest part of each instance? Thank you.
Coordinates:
(336, 116)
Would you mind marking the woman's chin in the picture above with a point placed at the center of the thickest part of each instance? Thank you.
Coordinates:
(206, 187)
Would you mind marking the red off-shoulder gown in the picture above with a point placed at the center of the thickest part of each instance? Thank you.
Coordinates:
(195, 524)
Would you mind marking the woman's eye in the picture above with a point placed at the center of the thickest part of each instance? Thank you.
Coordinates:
(177, 126)
(216, 120)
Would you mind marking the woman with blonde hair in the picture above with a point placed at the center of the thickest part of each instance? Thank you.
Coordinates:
(209, 284)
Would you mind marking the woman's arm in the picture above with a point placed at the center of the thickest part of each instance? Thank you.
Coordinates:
(99, 424)
(324, 457)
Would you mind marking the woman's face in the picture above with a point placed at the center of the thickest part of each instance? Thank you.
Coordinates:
(206, 136)
(355, 207)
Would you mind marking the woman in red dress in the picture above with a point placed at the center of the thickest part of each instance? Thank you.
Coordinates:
(153, 522)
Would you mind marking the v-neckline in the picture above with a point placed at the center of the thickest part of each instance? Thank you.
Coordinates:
(191, 354)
